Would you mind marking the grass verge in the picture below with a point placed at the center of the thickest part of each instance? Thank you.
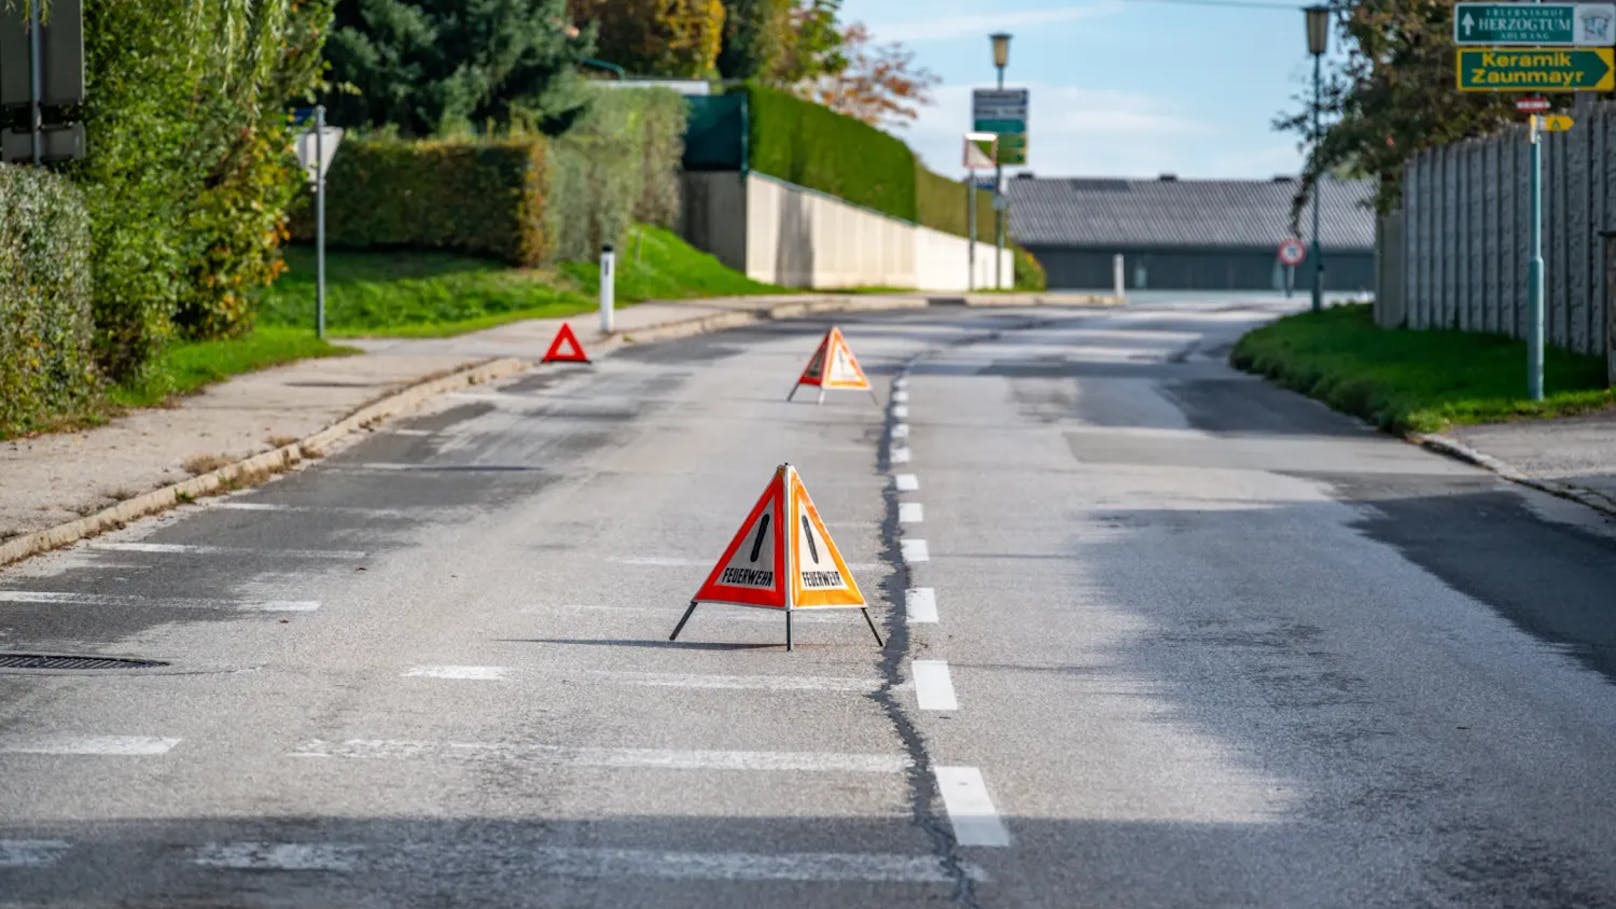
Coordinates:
(185, 367)
(1409, 381)
(406, 293)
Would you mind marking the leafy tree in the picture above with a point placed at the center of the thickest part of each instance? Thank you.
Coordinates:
(671, 38)
(877, 84)
(1391, 98)
(431, 66)
(815, 43)
(756, 35)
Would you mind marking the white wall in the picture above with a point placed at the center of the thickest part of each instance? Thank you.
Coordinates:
(788, 235)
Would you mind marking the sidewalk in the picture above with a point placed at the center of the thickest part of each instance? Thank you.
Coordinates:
(1573, 456)
(62, 487)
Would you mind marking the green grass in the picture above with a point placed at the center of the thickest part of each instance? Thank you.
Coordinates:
(1409, 381)
(432, 294)
(185, 367)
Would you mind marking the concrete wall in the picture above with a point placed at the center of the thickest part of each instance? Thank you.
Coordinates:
(785, 234)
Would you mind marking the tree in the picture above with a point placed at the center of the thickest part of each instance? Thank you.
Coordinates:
(878, 84)
(430, 66)
(755, 38)
(671, 38)
(1392, 98)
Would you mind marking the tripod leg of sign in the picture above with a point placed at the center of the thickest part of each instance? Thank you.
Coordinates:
(878, 641)
(788, 629)
(681, 626)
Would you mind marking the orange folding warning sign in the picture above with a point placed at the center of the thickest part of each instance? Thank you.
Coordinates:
(832, 366)
(782, 558)
(573, 352)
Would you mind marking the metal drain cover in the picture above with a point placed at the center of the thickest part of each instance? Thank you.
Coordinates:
(48, 661)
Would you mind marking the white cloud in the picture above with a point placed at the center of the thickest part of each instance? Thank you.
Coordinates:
(977, 24)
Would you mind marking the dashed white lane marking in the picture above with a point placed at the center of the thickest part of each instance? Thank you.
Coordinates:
(63, 598)
(31, 853)
(115, 745)
(194, 549)
(251, 506)
(278, 856)
(911, 513)
(655, 758)
(934, 687)
(901, 411)
(900, 430)
(901, 455)
(970, 810)
(588, 863)
(748, 682)
(466, 673)
(920, 605)
(915, 551)
(900, 396)
(412, 432)
(906, 482)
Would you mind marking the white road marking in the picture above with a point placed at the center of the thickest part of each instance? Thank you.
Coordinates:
(676, 562)
(907, 482)
(412, 432)
(31, 853)
(63, 598)
(468, 673)
(900, 455)
(740, 682)
(915, 551)
(911, 513)
(900, 430)
(934, 687)
(901, 411)
(116, 745)
(194, 549)
(920, 605)
(658, 758)
(278, 856)
(900, 396)
(588, 863)
(731, 613)
(970, 810)
(251, 506)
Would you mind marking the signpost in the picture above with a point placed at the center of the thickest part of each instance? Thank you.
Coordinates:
(1002, 111)
(1291, 254)
(315, 149)
(1535, 24)
(1578, 69)
(981, 153)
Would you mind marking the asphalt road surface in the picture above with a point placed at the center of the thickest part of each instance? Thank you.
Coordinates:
(1158, 634)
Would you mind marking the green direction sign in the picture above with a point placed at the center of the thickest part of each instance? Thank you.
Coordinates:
(1002, 111)
(1581, 69)
(1536, 24)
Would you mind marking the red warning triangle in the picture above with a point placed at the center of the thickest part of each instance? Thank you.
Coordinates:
(832, 366)
(565, 338)
(759, 568)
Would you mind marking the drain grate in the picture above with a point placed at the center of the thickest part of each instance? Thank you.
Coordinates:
(47, 661)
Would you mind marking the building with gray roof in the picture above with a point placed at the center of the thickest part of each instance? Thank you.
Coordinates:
(1188, 234)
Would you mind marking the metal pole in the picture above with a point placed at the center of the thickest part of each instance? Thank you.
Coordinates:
(998, 213)
(1318, 185)
(608, 287)
(36, 84)
(319, 221)
(1534, 273)
(1119, 279)
(970, 215)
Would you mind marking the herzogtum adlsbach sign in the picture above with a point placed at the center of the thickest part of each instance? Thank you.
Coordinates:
(1535, 24)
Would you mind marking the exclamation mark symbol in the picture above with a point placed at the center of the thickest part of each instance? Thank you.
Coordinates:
(757, 544)
(813, 550)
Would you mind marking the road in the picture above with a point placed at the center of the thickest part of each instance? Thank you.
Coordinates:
(1181, 639)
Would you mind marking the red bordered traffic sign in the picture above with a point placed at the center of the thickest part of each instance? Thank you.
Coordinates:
(1532, 104)
(1292, 252)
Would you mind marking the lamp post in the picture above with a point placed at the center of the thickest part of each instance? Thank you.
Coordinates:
(1001, 59)
(1318, 41)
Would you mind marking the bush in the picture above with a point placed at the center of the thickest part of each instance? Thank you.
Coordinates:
(46, 368)
(813, 146)
(619, 163)
(1029, 272)
(940, 204)
(480, 197)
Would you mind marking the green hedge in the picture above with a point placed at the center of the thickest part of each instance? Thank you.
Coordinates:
(813, 146)
(46, 327)
(941, 205)
(480, 197)
(1029, 272)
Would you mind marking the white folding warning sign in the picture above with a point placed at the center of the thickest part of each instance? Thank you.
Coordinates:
(832, 366)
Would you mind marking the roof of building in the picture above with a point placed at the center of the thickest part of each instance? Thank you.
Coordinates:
(1169, 212)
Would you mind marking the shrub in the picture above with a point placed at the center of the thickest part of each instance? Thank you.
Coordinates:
(46, 368)
(941, 205)
(480, 197)
(813, 146)
(619, 163)
(1029, 272)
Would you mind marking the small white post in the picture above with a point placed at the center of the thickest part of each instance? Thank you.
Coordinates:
(608, 292)
(1118, 284)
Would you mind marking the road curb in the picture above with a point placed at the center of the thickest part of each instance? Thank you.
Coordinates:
(255, 469)
(1453, 448)
(736, 318)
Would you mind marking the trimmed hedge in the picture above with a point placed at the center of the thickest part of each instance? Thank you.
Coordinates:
(813, 146)
(479, 197)
(46, 327)
(941, 205)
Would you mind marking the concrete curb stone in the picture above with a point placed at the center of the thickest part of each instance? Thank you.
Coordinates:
(1453, 448)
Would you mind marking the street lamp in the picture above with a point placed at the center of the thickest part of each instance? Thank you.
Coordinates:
(1001, 59)
(1318, 41)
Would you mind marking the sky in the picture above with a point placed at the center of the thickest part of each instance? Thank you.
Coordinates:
(1119, 88)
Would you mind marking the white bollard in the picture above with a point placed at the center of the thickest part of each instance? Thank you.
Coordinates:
(608, 292)
(1118, 284)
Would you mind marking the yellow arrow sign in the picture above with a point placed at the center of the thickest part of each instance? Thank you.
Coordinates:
(1556, 124)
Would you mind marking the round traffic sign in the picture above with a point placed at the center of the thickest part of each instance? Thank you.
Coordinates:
(1532, 104)
(1292, 252)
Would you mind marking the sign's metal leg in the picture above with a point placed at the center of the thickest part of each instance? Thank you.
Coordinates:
(788, 629)
(793, 391)
(681, 626)
(873, 396)
(821, 395)
(878, 641)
